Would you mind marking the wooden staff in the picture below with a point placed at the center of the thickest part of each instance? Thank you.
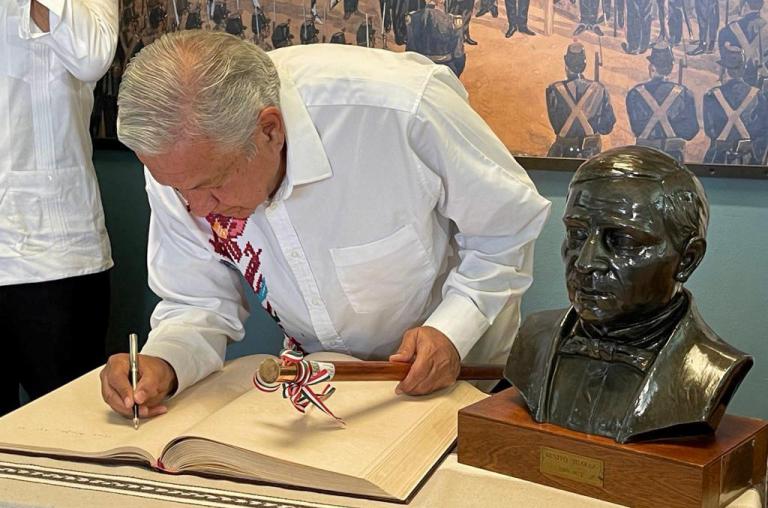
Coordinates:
(272, 371)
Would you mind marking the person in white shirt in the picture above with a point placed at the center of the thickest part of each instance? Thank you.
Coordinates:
(335, 179)
(54, 249)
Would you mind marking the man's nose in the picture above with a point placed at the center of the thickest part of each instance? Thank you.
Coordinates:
(592, 255)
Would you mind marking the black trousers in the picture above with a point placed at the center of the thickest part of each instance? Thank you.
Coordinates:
(708, 14)
(51, 332)
(517, 12)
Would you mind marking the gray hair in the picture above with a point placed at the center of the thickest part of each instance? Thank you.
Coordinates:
(191, 85)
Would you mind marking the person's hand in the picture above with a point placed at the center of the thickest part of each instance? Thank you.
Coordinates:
(436, 362)
(157, 380)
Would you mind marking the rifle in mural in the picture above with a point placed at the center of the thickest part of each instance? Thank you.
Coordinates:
(176, 24)
(383, 31)
(687, 20)
(683, 64)
(598, 59)
(761, 71)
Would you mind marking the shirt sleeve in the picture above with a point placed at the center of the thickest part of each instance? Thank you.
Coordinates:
(489, 197)
(83, 34)
(202, 301)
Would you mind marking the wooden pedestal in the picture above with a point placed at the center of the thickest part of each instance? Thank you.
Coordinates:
(499, 434)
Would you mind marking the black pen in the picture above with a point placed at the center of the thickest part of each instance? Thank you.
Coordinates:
(133, 359)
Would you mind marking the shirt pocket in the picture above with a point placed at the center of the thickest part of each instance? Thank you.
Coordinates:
(15, 56)
(386, 272)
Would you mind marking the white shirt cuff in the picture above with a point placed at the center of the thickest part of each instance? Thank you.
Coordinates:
(459, 319)
(185, 358)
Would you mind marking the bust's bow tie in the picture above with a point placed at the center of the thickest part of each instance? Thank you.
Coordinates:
(609, 351)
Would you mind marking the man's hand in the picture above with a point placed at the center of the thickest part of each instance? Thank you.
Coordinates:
(436, 362)
(39, 14)
(157, 380)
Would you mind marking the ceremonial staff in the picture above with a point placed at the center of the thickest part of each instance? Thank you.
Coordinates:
(272, 371)
(297, 376)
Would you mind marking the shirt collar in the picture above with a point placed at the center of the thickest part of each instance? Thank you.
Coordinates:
(306, 161)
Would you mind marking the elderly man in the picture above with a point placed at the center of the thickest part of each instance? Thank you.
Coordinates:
(333, 178)
(631, 358)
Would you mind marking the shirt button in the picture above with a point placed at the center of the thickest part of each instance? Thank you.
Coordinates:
(295, 254)
(316, 302)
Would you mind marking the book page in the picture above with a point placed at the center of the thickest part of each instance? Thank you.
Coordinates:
(75, 421)
(380, 427)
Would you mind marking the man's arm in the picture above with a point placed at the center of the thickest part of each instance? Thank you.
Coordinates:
(496, 208)
(202, 307)
(202, 303)
(81, 33)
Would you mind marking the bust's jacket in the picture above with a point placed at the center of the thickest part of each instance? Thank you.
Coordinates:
(685, 391)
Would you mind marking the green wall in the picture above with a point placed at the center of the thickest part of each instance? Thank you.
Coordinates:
(731, 285)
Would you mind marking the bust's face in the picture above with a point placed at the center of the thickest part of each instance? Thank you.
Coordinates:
(620, 261)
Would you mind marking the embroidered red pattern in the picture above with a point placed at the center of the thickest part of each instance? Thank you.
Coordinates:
(226, 232)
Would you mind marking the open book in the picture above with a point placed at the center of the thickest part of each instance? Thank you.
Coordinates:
(223, 426)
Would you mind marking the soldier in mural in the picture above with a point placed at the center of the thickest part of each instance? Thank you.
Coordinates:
(750, 33)
(366, 34)
(735, 115)
(338, 38)
(437, 35)
(677, 16)
(194, 19)
(315, 15)
(659, 110)
(662, 114)
(708, 16)
(401, 9)
(517, 17)
(487, 6)
(387, 10)
(234, 24)
(220, 14)
(282, 36)
(588, 17)
(350, 8)
(579, 109)
(128, 14)
(259, 26)
(639, 19)
(157, 17)
(308, 33)
(464, 9)
(609, 13)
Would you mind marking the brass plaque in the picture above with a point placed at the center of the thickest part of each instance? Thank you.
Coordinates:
(571, 466)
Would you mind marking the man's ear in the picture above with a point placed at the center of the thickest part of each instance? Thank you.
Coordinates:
(271, 126)
(692, 256)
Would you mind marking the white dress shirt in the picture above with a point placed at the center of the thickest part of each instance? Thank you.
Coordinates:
(385, 160)
(51, 218)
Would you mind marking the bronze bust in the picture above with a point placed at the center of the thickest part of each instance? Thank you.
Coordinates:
(631, 359)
